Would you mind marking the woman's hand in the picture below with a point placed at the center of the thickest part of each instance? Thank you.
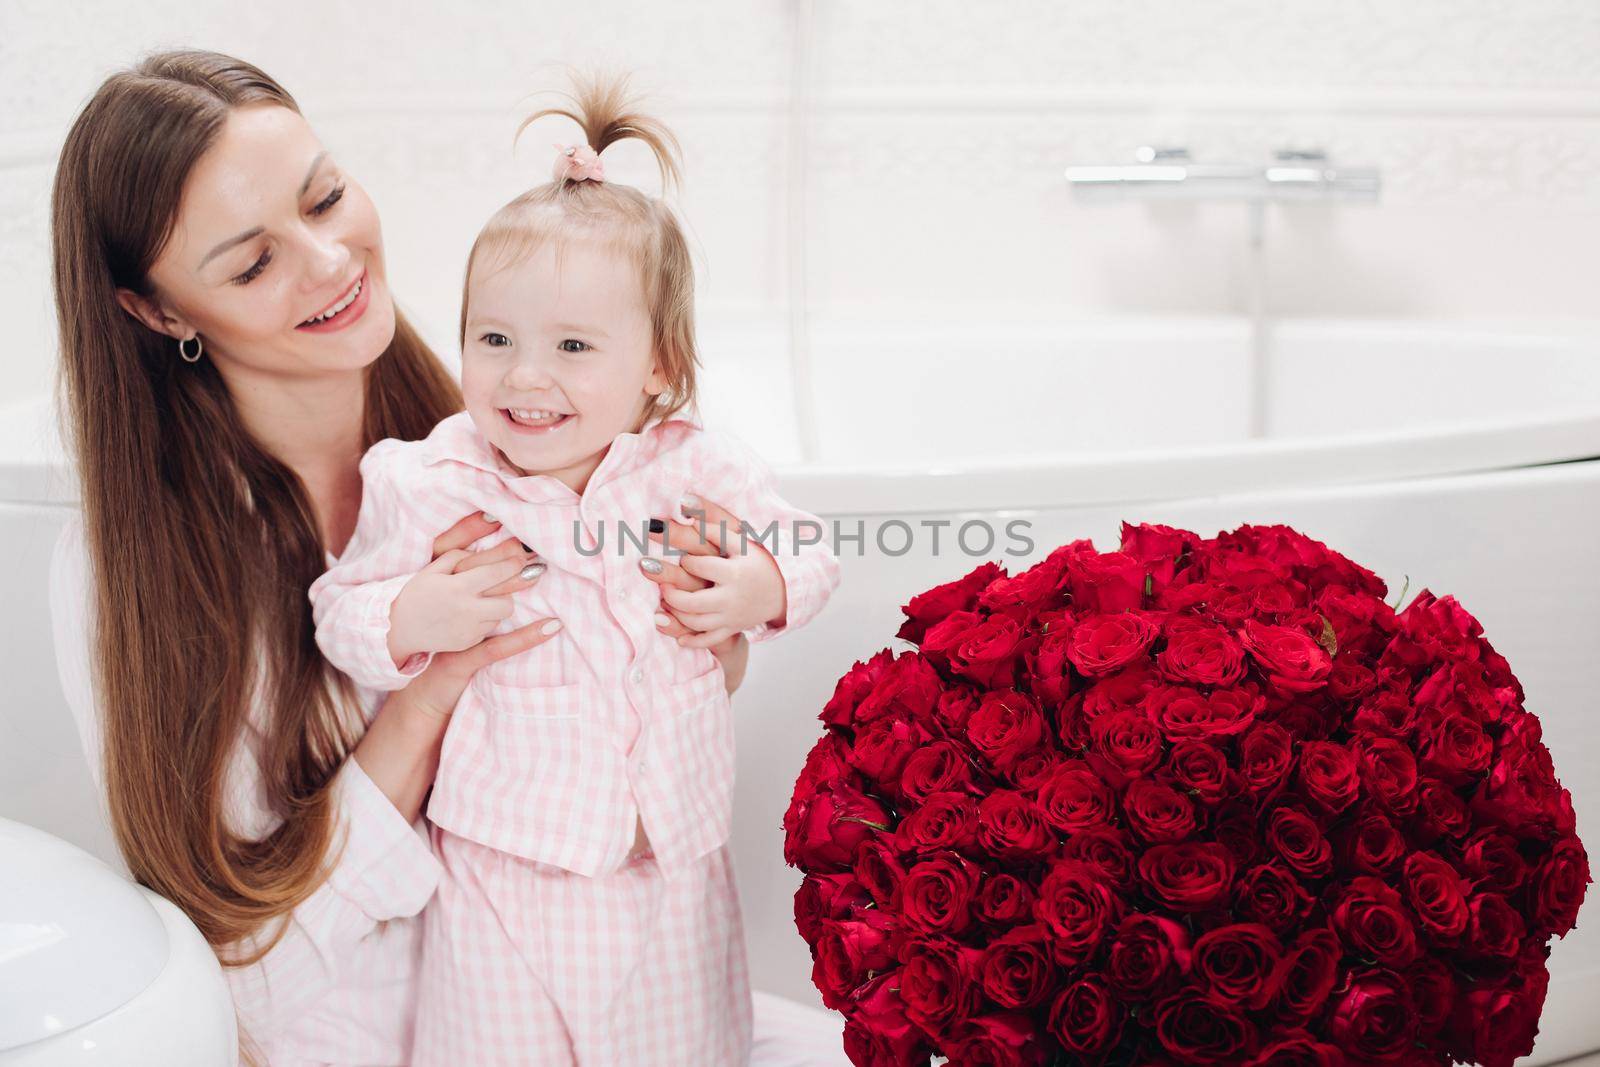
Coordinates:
(400, 751)
(710, 592)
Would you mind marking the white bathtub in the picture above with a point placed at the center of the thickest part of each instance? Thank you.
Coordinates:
(1464, 457)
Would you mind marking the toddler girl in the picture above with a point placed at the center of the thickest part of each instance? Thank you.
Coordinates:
(582, 806)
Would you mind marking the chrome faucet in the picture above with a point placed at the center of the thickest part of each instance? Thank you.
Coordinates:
(1169, 173)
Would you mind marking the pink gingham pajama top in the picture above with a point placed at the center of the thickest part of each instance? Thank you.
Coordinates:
(546, 943)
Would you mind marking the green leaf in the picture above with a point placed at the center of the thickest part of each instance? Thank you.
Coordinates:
(1149, 584)
(864, 822)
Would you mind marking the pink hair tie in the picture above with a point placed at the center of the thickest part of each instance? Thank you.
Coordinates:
(578, 162)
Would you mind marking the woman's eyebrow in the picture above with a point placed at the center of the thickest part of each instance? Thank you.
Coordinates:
(257, 231)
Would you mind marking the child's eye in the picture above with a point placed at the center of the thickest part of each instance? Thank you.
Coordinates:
(328, 202)
(255, 269)
(583, 346)
(495, 340)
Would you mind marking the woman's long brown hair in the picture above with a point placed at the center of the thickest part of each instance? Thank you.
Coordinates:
(201, 542)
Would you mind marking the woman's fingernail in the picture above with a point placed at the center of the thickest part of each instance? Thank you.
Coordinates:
(689, 503)
(525, 548)
(662, 620)
(531, 571)
(490, 518)
(657, 526)
(650, 566)
(550, 627)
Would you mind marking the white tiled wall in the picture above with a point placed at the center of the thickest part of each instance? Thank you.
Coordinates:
(921, 142)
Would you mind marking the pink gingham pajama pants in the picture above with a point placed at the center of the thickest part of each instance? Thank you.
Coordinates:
(527, 963)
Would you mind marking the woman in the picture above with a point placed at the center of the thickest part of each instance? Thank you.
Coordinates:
(201, 236)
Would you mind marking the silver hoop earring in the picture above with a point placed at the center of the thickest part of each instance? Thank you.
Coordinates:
(199, 349)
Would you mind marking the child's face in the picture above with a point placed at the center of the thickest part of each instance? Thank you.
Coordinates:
(573, 340)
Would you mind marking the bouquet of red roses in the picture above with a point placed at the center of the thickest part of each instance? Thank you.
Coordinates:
(1197, 801)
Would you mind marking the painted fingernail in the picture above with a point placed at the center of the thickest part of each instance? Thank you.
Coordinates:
(531, 571)
(662, 620)
(550, 627)
(650, 566)
(490, 518)
(689, 503)
(526, 548)
(657, 526)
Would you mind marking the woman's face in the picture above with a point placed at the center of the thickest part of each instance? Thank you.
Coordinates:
(275, 259)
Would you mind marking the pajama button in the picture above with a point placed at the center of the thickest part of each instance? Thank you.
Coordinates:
(637, 675)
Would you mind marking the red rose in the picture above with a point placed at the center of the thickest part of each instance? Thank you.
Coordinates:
(1270, 895)
(1126, 745)
(1558, 888)
(1008, 1039)
(937, 767)
(907, 689)
(929, 608)
(1297, 1049)
(1389, 773)
(1158, 813)
(1385, 713)
(1049, 670)
(1104, 644)
(944, 821)
(1495, 1022)
(1440, 812)
(1004, 900)
(954, 709)
(1076, 907)
(822, 829)
(1433, 986)
(1492, 862)
(1202, 1031)
(942, 640)
(1374, 1018)
(1103, 850)
(1373, 845)
(1200, 769)
(991, 652)
(1265, 755)
(1200, 652)
(936, 895)
(1157, 549)
(1295, 836)
(1453, 748)
(1373, 923)
(881, 749)
(1032, 769)
(939, 982)
(1074, 798)
(1238, 964)
(1006, 726)
(856, 683)
(1181, 712)
(1010, 826)
(1085, 1019)
(1105, 581)
(848, 951)
(1494, 929)
(1290, 658)
(1328, 773)
(1188, 876)
(1306, 974)
(1039, 588)
(1148, 955)
(877, 1032)
(1017, 968)
(826, 896)
(1437, 894)
(879, 869)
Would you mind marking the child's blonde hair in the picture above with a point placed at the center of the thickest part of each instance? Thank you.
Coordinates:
(618, 216)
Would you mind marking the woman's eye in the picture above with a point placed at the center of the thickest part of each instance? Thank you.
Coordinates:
(495, 340)
(582, 346)
(255, 269)
(330, 200)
